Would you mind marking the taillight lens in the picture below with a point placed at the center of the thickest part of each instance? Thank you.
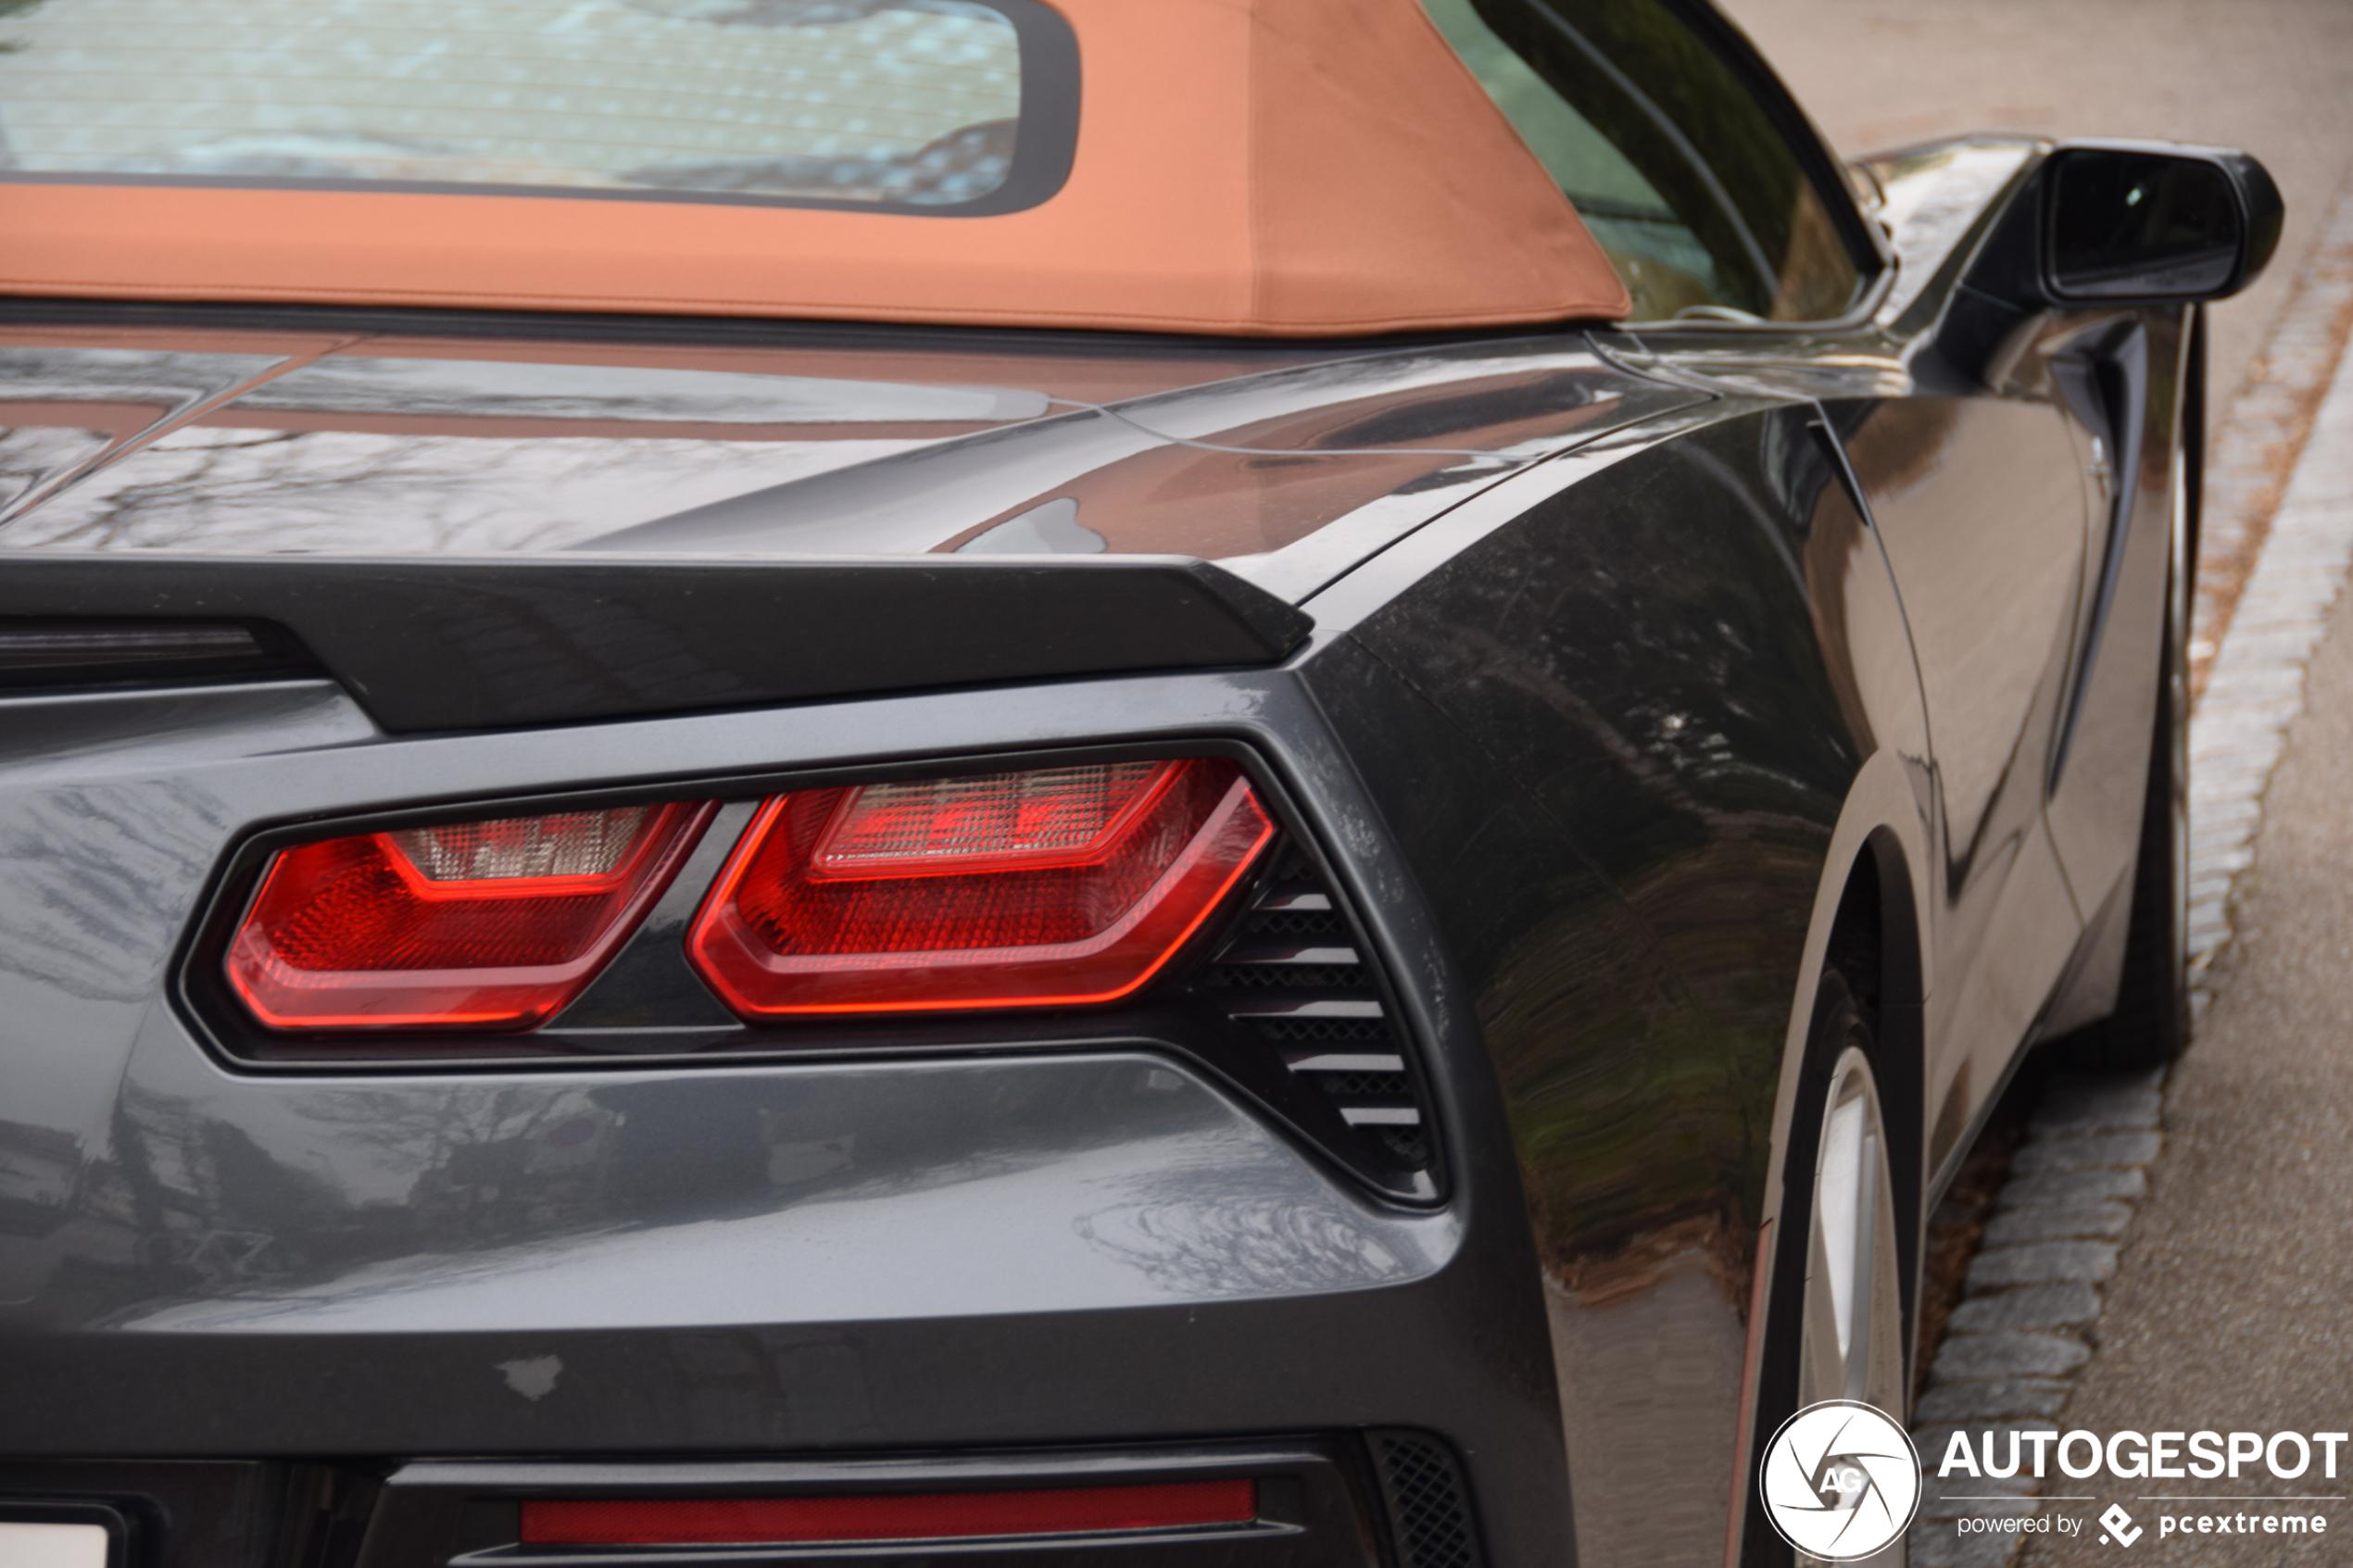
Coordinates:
(461, 925)
(1057, 887)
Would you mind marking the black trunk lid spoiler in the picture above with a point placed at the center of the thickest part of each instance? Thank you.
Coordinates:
(440, 643)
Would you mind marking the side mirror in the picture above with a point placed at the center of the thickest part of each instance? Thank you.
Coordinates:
(2147, 223)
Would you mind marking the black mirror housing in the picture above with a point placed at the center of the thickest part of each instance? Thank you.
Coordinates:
(2129, 223)
(2152, 223)
(2112, 223)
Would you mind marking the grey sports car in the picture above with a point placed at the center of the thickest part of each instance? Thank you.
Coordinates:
(1123, 784)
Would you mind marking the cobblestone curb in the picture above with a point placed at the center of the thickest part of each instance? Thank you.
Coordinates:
(2279, 543)
(2032, 1295)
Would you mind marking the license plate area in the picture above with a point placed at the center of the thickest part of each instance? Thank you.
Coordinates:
(42, 1533)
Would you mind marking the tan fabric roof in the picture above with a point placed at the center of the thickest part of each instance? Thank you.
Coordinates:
(1292, 168)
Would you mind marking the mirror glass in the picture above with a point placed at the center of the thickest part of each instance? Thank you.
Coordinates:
(2132, 225)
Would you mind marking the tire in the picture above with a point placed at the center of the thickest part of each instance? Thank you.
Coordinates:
(1837, 1325)
(2151, 1025)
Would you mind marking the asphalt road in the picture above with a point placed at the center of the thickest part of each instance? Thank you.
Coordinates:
(2231, 1309)
(2233, 1304)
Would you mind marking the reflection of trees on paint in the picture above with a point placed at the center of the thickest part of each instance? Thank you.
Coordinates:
(202, 1209)
(212, 1208)
(1244, 1244)
(31, 457)
(87, 868)
(339, 1191)
(234, 490)
(486, 1163)
(40, 1173)
(1641, 656)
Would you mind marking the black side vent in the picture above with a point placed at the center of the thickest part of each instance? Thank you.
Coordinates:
(1429, 1516)
(37, 653)
(1293, 975)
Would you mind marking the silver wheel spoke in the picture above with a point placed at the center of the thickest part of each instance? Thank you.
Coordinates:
(1851, 1345)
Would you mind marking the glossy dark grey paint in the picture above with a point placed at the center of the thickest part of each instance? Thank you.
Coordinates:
(1297, 464)
(1633, 657)
(245, 1201)
(1676, 668)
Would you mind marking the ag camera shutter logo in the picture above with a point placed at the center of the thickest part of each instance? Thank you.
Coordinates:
(1841, 1480)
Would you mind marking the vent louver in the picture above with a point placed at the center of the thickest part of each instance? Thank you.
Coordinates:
(1293, 974)
(1429, 1516)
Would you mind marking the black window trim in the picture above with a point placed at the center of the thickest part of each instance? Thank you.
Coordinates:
(1667, 127)
(1866, 249)
(1732, 46)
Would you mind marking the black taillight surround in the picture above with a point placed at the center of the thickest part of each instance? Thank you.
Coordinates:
(649, 1007)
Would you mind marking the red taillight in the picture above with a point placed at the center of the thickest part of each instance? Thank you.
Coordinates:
(462, 925)
(1059, 886)
(922, 1516)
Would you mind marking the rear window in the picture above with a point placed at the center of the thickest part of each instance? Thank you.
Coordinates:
(935, 106)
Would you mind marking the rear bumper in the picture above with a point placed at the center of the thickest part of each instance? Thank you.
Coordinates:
(1355, 1500)
(1095, 1245)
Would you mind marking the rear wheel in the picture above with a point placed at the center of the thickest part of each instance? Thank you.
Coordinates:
(1837, 1321)
(1852, 1338)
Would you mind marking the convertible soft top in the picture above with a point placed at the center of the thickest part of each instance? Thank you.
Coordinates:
(1292, 167)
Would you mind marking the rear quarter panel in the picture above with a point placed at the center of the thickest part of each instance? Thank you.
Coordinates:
(1616, 736)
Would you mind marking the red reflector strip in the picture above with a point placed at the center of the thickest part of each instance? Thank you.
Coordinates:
(886, 1517)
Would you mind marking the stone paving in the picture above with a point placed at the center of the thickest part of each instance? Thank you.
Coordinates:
(2032, 1295)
